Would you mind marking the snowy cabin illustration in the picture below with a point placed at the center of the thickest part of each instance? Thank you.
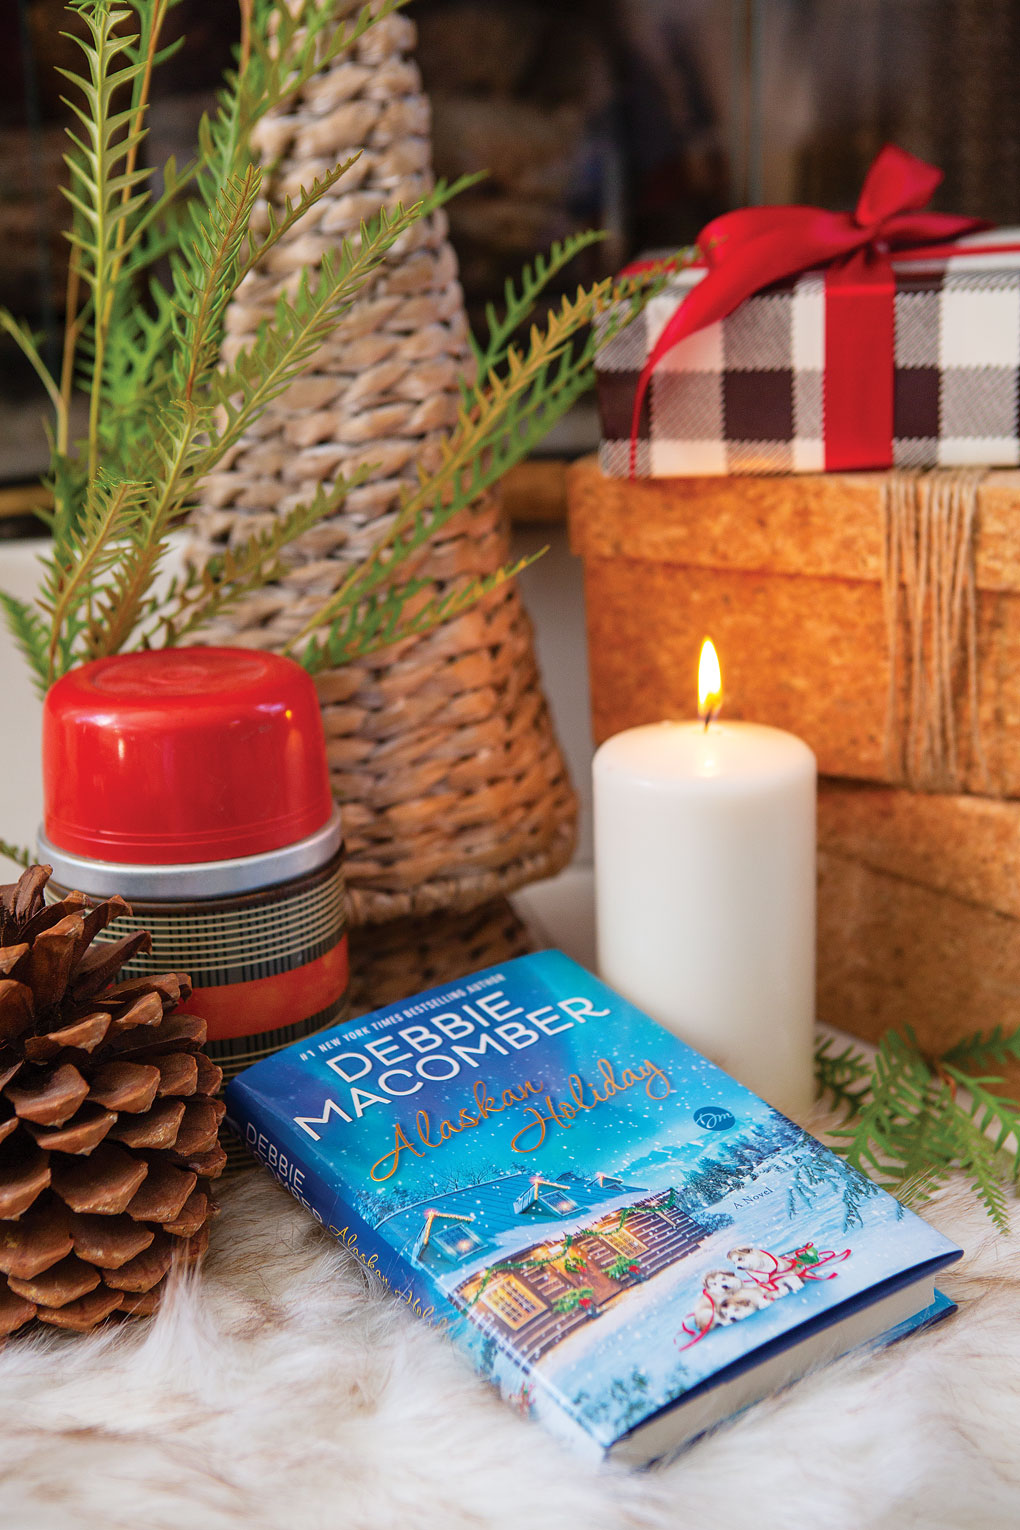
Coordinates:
(531, 1294)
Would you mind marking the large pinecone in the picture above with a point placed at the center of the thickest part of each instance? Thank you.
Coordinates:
(108, 1125)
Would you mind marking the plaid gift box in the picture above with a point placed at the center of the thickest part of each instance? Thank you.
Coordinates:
(747, 394)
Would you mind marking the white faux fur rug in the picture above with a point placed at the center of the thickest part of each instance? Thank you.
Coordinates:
(280, 1392)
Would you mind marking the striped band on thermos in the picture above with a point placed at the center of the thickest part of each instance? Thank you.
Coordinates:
(267, 966)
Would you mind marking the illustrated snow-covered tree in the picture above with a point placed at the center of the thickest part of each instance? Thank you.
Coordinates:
(818, 1169)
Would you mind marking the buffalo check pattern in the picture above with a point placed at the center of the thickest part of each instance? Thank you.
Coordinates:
(746, 395)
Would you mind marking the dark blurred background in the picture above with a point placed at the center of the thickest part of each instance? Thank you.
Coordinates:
(643, 117)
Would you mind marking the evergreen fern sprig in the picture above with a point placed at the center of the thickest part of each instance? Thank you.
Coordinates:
(186, 444)
(30, 634)
(501, 420)
(82, 557)
(984, 1049)
(280, 224)
(304, 320)
(976, 1156)
(520, 298)
(120, 599)
(138, 364)
(206, 591)
(442, 608)
(164, 411)
(17, 853)
(398, 614)
(532, 392)
(206, 276)
(995, 1117)
(105, 187)
(911, 1119)
(843, 1075)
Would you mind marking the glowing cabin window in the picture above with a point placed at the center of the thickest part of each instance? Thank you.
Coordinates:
(623, 1241)
(511, 1301)
(456, 1240)
(556, 1202)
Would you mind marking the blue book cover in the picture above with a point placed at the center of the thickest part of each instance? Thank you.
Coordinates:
(605, 1221)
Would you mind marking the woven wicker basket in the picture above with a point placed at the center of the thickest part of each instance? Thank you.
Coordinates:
(392, 961)
(443, 756)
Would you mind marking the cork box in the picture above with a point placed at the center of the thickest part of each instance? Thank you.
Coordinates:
(789, 577)
(918, 890)
(918, 912)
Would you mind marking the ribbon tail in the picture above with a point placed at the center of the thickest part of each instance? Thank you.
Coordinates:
(860, 314)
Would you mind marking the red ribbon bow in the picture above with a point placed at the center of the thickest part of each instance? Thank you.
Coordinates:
(749, 249)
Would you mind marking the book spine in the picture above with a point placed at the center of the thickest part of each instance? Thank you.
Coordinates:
(290, 1162)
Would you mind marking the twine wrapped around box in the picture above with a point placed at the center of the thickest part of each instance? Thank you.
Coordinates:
(930, 596)
(442, 752)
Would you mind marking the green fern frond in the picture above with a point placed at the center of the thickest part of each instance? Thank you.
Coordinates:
(398, 615)
(995, 1115)
(280, 224)
(501, 420)
(985, 1048)
(843, 1075)
(30, 634)
(106, 189)
(163, 414)
(304, 320)
(83, 556)
(138, 361)
(208, 591)
(913, 1119)
(206, 276)
(978, 1159)
(520, 298)
(119, 600)
(155, 232)
(16, 853)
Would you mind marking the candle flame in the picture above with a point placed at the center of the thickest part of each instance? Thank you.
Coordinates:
(709, 682)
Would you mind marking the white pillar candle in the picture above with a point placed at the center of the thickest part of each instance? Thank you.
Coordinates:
(705, 892)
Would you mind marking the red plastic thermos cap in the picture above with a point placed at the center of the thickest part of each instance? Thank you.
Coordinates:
(183, 755)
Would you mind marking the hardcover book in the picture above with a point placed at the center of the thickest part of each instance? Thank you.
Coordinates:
(628, 1243)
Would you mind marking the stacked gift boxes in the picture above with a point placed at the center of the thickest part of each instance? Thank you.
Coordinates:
(874, 613)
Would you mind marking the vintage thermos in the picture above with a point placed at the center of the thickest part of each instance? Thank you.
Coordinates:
(194, 782)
